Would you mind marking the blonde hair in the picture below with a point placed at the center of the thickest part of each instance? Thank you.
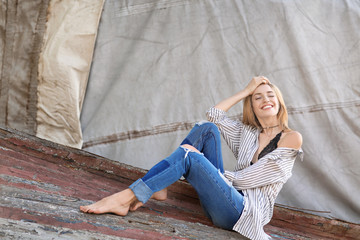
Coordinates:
(249, 117)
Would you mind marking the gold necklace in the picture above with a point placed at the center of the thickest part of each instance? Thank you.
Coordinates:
(270, 127)
(269, 133)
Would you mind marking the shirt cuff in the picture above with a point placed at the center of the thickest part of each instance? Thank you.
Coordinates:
(231, 176)
(215, 114)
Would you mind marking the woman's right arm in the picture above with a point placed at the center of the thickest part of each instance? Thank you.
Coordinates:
(232, 129)
(226, 104)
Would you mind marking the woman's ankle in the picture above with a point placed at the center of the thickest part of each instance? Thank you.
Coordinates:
(160, 195)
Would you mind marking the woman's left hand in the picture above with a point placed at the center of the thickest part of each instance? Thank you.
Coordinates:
(255, 82)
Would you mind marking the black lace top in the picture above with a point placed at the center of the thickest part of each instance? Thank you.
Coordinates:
(270, 147)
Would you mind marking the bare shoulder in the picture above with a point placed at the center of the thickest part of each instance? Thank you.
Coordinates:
(291, 139)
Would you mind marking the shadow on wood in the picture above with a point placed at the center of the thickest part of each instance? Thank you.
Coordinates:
(43, 184)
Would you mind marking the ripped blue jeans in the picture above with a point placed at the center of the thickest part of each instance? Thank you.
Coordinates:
(222, 203)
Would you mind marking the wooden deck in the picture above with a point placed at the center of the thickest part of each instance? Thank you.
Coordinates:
(43, 184)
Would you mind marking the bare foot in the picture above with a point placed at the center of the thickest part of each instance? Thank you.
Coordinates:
(118, 203)
(160, 196)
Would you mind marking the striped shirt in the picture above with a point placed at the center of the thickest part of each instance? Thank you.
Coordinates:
(260, 182)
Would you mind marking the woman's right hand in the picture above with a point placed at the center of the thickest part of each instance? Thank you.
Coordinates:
(226, 104)
(255, 82)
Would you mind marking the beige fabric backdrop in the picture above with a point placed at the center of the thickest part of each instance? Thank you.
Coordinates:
(159, 65)
(64, 67)
(46, 49)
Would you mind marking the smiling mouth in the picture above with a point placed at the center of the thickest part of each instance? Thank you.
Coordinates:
(266, 107)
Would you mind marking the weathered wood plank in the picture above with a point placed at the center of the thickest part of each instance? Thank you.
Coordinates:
(27, 230)
(43, 184)
(59, 211)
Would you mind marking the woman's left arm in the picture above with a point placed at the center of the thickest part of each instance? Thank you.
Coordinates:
(274, 167)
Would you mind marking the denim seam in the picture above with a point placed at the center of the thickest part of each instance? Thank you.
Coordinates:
(158, 174)
(206, 136)
(232, 203)
(162, 173)
(187, 151)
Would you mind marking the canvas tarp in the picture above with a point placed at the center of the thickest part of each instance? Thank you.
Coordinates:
(64, 67)
(159, 65)
(22, 25)
(46, 49)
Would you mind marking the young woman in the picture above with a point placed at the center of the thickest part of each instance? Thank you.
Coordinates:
(242, 200)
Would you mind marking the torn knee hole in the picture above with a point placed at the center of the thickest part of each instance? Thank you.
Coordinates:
(187, 146)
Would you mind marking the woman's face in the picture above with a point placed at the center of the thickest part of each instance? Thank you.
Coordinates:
(264, 102)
